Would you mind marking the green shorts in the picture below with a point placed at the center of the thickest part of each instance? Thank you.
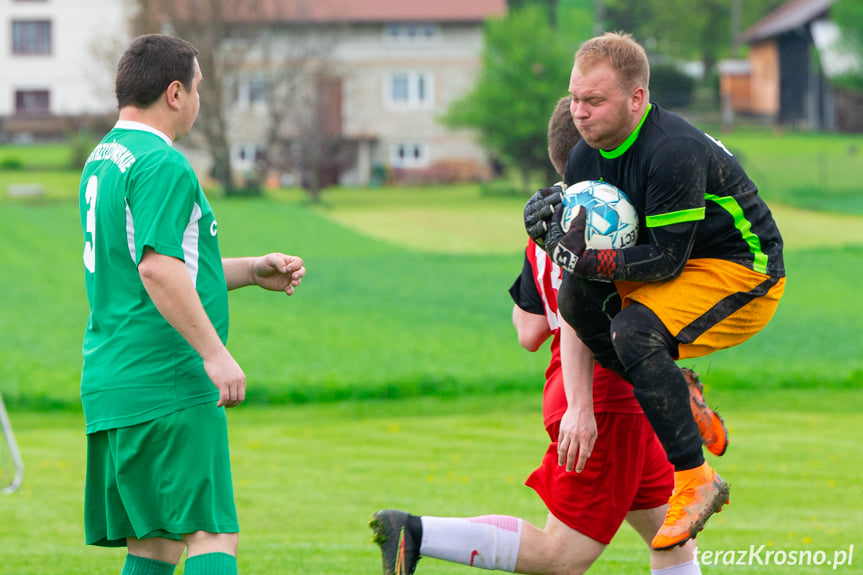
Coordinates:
(163, 478)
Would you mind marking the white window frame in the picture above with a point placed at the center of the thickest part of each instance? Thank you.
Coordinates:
(244, 155)
(32, 37)
(411, 33)
(416, 155)
(415, 99)
(244, 96)
(31, 97)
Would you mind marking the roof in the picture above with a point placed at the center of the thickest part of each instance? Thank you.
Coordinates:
(785, 18)
(328, 11)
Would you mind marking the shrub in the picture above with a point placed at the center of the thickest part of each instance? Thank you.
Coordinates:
(81, 143)
(669, 87)
(11, 163)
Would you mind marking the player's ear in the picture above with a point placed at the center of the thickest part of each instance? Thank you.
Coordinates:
(637, 98)
(174, 94)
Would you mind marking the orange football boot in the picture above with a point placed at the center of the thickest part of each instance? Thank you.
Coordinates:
(698, 494)
(711, 428)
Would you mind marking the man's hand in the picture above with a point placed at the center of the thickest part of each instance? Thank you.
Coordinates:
(278, 272)
(565, 248)
(539, 210)
(577, 436)
(228, 377)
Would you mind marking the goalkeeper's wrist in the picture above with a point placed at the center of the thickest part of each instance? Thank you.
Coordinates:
(598, 264)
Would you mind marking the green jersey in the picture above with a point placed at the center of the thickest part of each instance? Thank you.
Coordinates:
(138, 191)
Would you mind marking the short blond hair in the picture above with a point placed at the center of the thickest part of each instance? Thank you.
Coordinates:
(562, 135)
(624, 54)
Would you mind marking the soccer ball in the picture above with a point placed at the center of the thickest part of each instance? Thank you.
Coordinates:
(612, 222)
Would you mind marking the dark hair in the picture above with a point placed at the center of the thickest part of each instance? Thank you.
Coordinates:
(149, 65)
(562, 135)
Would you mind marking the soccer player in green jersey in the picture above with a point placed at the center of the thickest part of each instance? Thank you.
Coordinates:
(157, 375)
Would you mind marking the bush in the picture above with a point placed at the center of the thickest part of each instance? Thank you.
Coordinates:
(669, 87)
(11, 163)
(81, 143)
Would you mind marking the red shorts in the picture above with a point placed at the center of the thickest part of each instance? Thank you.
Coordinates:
(626, 471)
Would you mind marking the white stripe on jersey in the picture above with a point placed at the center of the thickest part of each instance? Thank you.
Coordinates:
(190, 240)
(130, 233)
(546, 270)
(190, 244)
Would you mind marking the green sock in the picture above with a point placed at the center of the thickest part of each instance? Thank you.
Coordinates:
(142, 566)
(211, 564)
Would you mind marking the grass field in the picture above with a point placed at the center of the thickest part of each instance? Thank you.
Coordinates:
(393, 378)
(308, 477)
(374, 319)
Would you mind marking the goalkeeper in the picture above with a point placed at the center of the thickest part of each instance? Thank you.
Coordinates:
(582, 518)
(706, 274)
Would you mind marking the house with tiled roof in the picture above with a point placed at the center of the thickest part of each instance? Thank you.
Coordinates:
(390, 69)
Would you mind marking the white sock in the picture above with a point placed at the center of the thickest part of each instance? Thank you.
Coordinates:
(487, 542)
(688, 568)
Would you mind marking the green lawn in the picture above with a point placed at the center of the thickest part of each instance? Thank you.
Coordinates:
(309, 477)
(393, 378)
(51, 156)
(380, 317)
(813, 171)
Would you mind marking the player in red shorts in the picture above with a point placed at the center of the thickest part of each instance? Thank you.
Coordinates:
(627, 476)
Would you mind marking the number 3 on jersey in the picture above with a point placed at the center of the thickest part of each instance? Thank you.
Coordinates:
(90, 237)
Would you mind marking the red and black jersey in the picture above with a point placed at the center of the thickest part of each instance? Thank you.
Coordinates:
(676, 174)
(535, 291)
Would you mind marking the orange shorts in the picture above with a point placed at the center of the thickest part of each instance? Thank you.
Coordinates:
(626, 471)
(713, 304)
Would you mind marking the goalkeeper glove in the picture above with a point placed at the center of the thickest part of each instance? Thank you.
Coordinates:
(566, 248)
(569, 250)
(539, 210)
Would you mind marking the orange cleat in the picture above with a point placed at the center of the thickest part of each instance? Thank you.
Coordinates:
(698, 494)
(710, 424)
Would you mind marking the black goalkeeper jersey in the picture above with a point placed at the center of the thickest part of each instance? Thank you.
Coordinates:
(674, 173)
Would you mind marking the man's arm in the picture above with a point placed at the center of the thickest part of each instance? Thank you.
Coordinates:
(532, 329)
(578, 425)
(170, 287)
(274, 272)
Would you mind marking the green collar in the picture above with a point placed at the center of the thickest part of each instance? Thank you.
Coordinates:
(621, 149)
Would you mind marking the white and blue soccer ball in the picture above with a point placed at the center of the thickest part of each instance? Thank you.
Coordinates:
(612, 222)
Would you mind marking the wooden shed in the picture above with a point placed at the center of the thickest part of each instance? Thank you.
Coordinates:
(779, 82)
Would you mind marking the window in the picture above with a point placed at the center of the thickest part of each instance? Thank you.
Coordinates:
(258, 88)
(411, 33)
(400, 92)
(245, 156)
(31, 37)
(409, 90)
(249, 92)
(32, 102)
(408, 155)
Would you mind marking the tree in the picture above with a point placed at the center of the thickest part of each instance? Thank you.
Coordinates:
(525, 71)
(303, 107)
(238, 53)
(848, 15)
(204, 24)
(549, 6)
(704, 34)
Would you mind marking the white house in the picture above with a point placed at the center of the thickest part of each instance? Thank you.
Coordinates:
(56, 56)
